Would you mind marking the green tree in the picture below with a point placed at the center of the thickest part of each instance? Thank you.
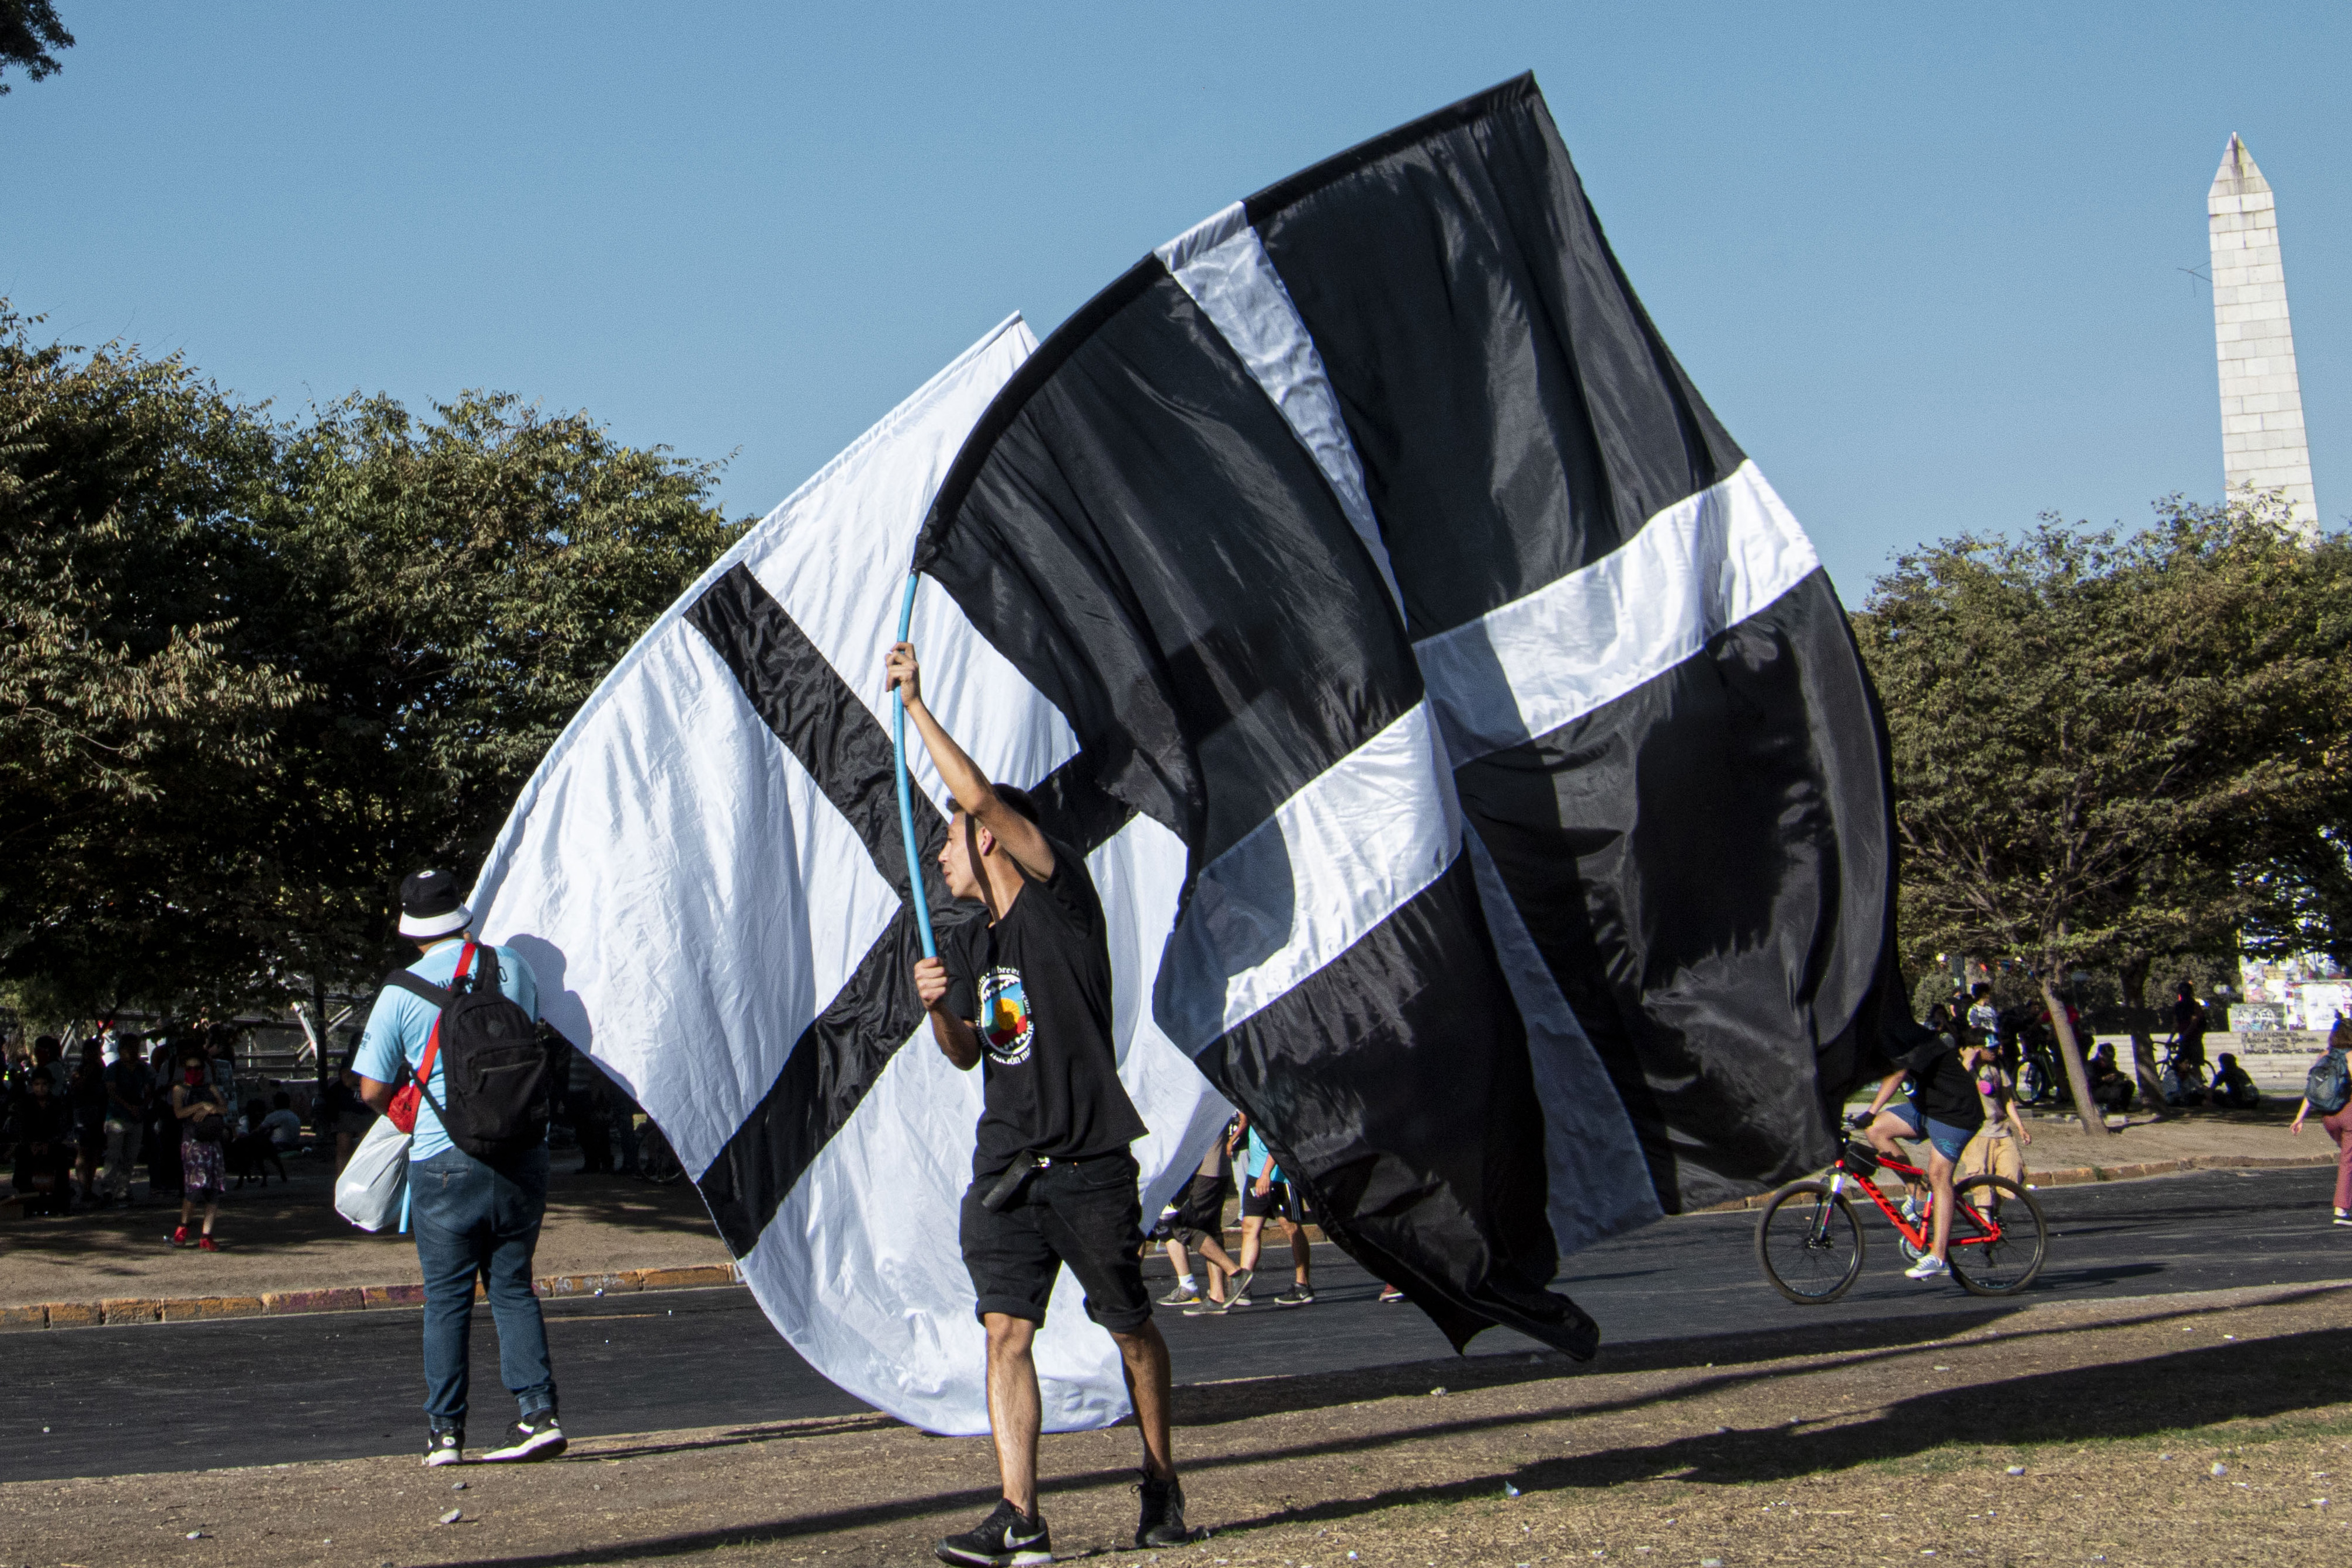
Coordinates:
(452, 591)
(132, 732)
(253, 672)
(2094, 734)
(30, 29)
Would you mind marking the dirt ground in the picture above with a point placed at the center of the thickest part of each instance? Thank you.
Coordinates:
(2186, 1429)
(287, 1237)
(2059, 1141)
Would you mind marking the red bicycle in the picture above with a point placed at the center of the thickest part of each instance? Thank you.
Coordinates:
(1809, 1240)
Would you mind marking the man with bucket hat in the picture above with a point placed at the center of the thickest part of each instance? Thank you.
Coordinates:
(477, 1161)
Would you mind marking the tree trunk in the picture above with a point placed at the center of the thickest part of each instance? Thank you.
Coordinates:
(2093, 1121)
(2133, 974)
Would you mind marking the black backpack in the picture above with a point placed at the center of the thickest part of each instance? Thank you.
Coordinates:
(2328, 1085)
(494, 1068)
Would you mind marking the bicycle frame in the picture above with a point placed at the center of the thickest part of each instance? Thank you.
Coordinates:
(1987, 1228)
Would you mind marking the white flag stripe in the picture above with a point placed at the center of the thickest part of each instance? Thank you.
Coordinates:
(849, 610)
(692, 899)
(679, 822)
(861, 1267)
(1695, 569)
(1223, 265)
(1300, 888)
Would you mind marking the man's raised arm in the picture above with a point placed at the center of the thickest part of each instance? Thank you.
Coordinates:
(972, 792)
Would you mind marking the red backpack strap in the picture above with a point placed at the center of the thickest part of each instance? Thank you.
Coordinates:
(432, 1041)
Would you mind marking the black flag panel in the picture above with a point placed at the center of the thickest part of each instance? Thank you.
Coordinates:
(1137, 528)
(1703, 856)
(1372, 541)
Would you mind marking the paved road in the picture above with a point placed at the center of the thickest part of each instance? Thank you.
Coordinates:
(264, 1391)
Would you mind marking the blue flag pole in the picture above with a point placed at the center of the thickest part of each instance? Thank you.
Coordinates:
(906, 785)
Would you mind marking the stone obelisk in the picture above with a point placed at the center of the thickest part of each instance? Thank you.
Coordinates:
(2263, 441)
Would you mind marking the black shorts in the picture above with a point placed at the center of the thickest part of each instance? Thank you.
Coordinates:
(1084, 1213)
(1279, 1203)
(1201, 1212)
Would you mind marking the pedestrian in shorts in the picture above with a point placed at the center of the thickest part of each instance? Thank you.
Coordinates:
(1026, 997)
(1197, 1221)
(1265, 1196)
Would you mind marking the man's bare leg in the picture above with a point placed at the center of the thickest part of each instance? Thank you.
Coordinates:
(1014, 1406)
(1939, 1178)
(1143, 1357)
(1301, 1269)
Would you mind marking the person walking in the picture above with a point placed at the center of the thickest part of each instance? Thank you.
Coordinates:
(1999, 1147)
(2328, 1090)
(126, 1116)
(1198, 1221)
(1027, 993)
(477, 1215)
(203, 1116)
(1267, 1195)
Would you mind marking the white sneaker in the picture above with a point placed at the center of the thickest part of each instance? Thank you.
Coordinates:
(1927, 1267)
(1182, 1296)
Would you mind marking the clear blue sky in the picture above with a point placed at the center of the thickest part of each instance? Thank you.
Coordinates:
(1923, 260)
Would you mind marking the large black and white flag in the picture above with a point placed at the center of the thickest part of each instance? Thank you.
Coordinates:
(706, 874)
(1481, 782)
(1373, 509)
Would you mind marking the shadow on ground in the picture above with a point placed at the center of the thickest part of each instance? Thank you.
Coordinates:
(2204, 1386)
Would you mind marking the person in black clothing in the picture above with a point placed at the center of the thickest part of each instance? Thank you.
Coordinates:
(1026, 996)
(1943, 1108)
(2189, 1024)
(44, 1147)
(2233, 1087)
(85, 1092)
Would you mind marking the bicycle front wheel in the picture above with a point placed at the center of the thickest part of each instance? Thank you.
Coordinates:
(2004, 1266)
(1808, 1243)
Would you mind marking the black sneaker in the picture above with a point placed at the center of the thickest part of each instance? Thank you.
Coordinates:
(1005, 1538)
(1164, 1513)
(538, 1435)
(445, 1445)
(1297, 1296)
(1583, 1335)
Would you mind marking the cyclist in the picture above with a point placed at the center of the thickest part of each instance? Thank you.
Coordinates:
(2188, 1023)
(1944, 1107)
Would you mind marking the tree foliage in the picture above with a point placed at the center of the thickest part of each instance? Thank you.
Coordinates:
(251, 672)
(30, 29)
(2097, 735)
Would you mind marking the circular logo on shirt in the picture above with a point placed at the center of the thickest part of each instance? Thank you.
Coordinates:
(1006, 1026)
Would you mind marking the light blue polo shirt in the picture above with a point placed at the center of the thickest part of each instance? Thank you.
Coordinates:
(402, 1021)
(1256, 1157)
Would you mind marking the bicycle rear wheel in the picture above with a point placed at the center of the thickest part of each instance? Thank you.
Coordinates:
(2005, 1267)
(1808, 1243)
(2033, 1082)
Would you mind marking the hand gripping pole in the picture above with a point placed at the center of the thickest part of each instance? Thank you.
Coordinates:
(906, 785)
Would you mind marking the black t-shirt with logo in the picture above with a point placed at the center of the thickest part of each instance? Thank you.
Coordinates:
(1037, 987)
(1942, 1085)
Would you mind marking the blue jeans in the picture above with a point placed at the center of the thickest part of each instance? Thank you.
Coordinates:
(475, 1219)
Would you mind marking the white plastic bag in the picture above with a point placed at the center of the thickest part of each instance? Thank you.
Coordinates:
(373, 1188)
